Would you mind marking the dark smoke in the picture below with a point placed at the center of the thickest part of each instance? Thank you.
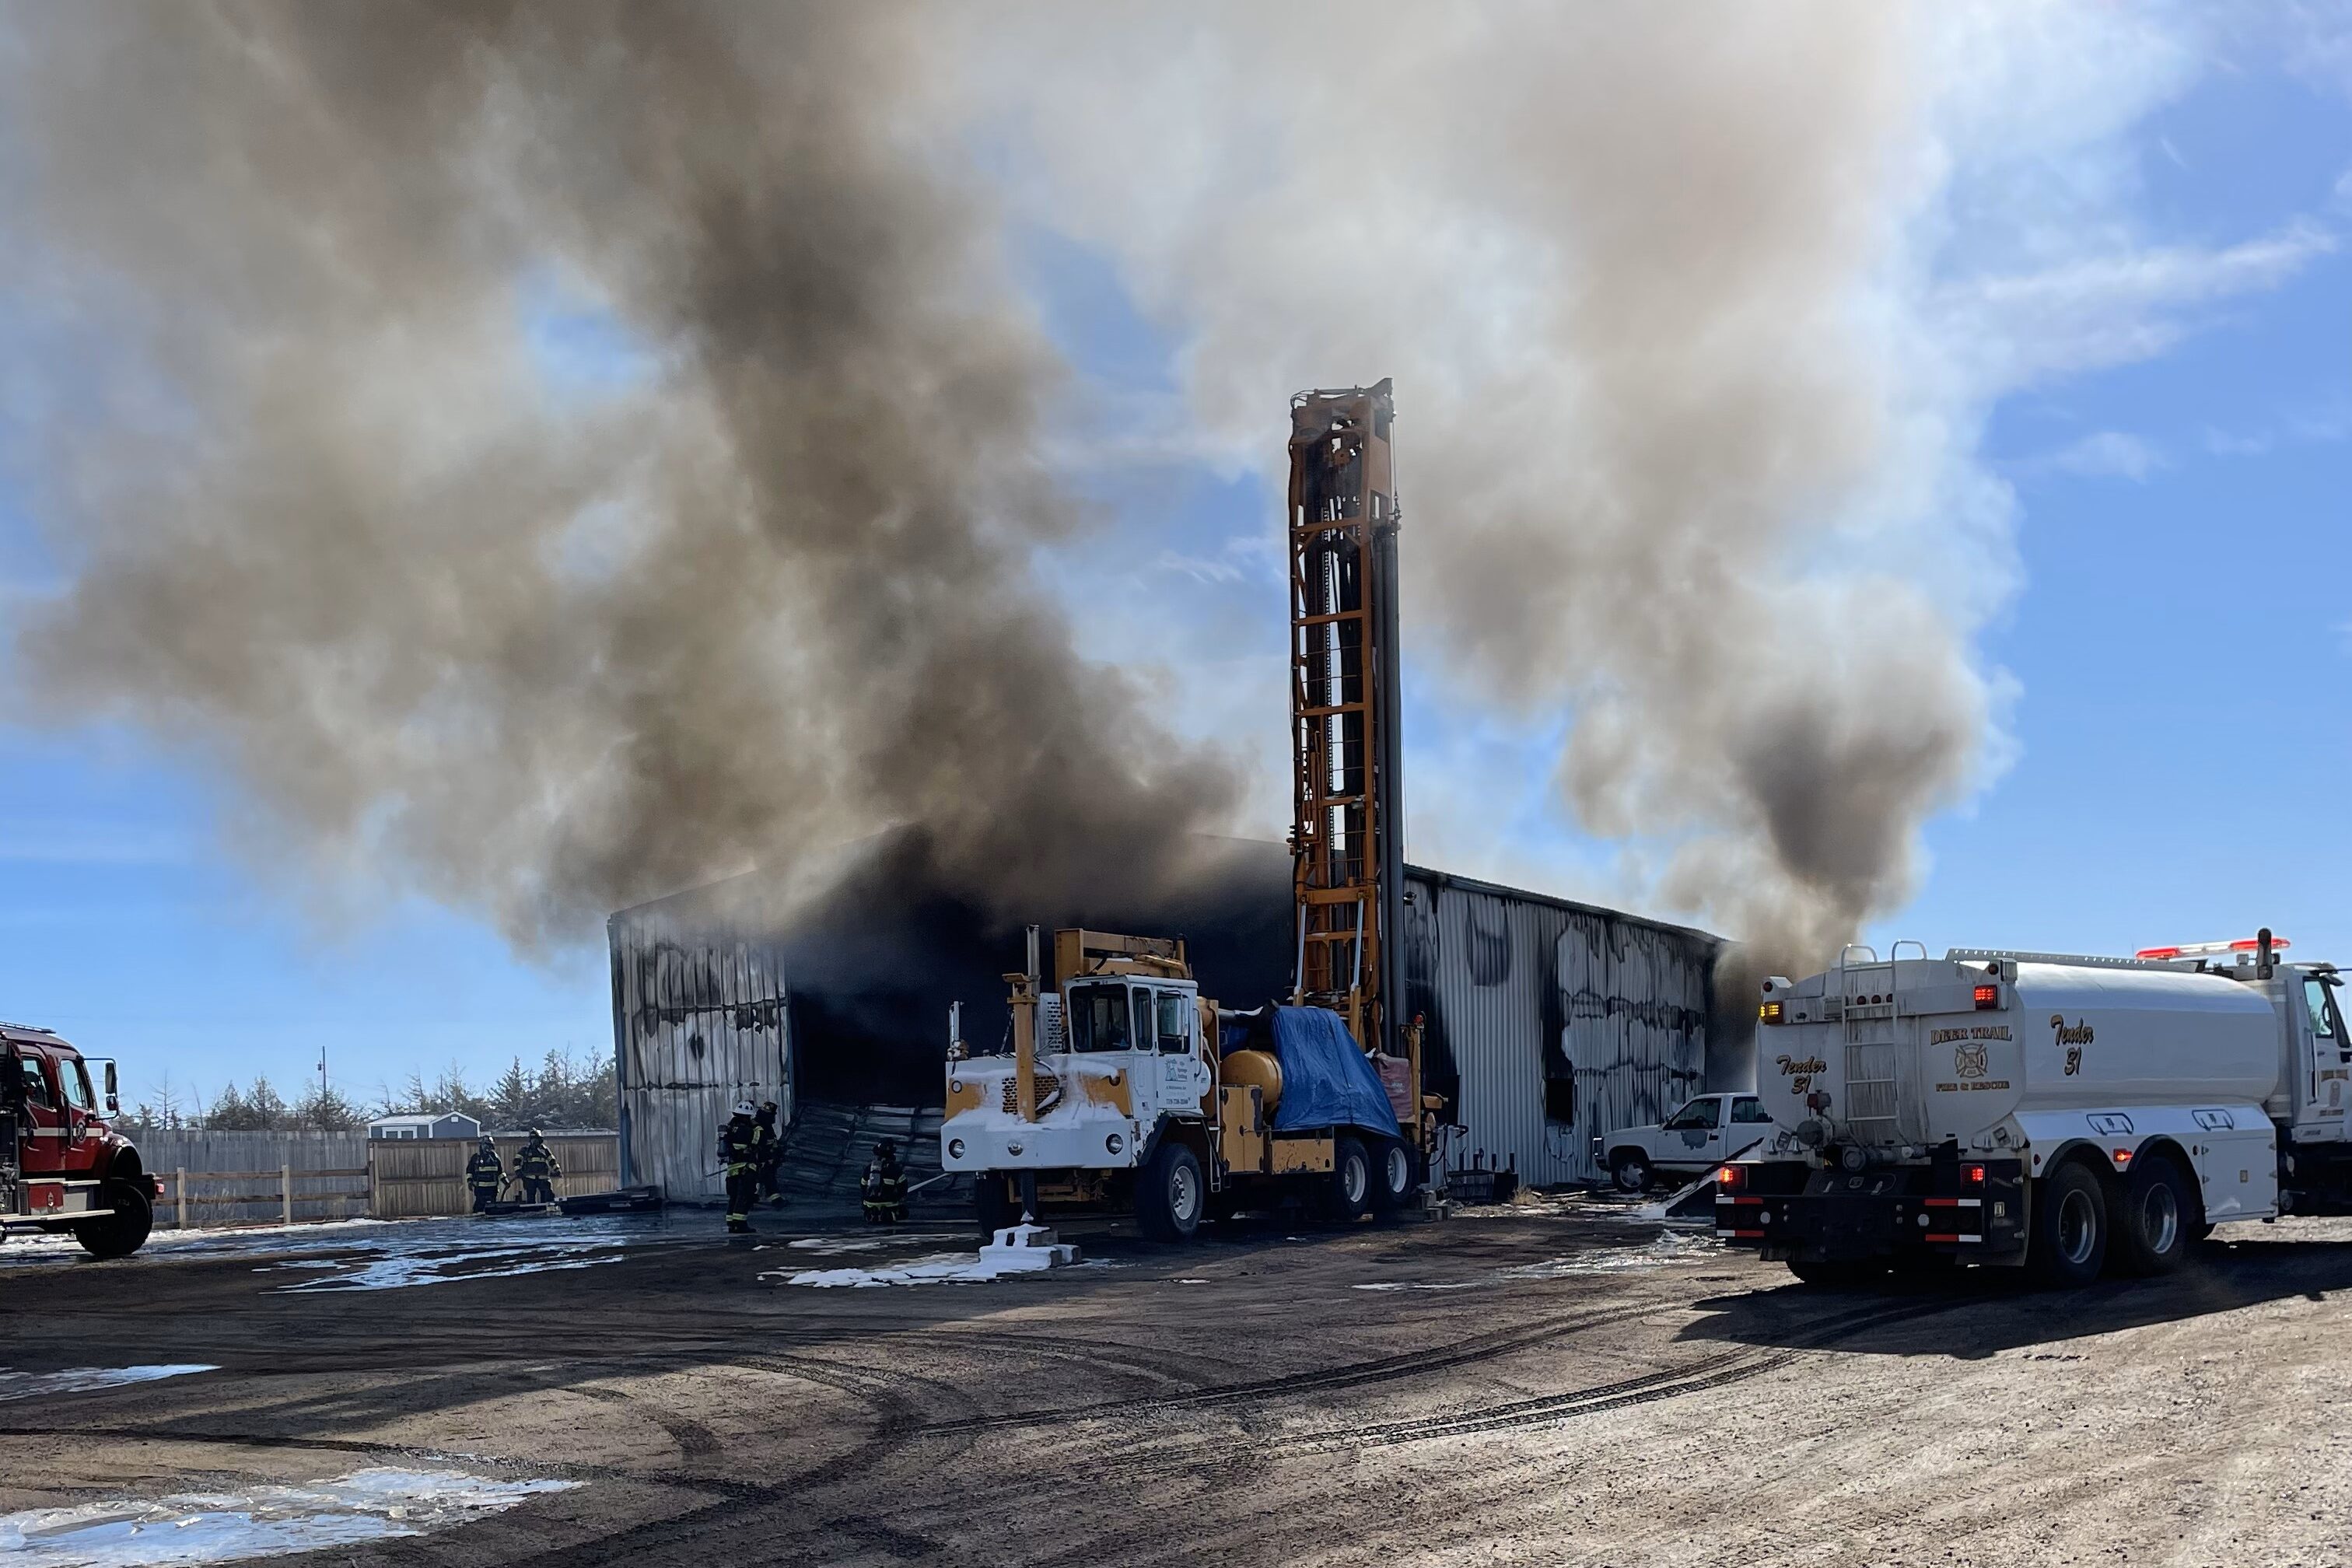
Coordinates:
(553, 648)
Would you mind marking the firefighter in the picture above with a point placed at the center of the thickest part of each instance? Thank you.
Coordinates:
(484, 1176)
(742, 1143)
(535, 1169)
(886, 1186)
(774, 1157)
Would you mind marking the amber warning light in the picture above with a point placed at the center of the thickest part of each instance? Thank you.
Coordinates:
(1769, 1013)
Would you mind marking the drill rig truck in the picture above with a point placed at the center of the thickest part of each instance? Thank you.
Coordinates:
(1124, 1087)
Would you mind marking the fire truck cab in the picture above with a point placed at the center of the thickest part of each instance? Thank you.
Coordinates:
(63, 1167)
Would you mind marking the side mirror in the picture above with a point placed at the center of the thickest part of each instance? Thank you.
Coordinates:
(113, 1090)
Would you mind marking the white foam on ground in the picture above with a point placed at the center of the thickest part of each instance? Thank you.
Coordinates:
(374, 1504)
(1671, 1247)
(401, 1271)
(828, 1246)
(86, 1379)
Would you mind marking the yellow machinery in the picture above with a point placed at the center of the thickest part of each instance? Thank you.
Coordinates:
(1117, 1089)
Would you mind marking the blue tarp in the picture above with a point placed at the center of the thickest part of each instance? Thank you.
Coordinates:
(1325, 1080)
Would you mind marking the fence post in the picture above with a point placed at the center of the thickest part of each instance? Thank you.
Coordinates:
(286, 1181)
(180, 1193)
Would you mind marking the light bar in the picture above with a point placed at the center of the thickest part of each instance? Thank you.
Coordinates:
(2212, 949)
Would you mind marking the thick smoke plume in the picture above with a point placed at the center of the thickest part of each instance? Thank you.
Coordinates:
(747, 573)
(1631, 268)
(756, 575)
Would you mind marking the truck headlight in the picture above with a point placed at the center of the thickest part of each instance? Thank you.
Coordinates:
(955, 1148)
(1114, 1143)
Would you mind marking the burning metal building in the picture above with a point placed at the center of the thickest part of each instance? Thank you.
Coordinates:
(1545, 1021)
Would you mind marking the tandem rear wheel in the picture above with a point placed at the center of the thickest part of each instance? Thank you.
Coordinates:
(2071, 1228)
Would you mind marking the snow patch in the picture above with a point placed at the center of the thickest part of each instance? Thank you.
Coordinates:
(85, 1379)
(374, 1504)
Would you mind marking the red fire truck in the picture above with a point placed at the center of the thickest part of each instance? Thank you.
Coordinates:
(62, 1167)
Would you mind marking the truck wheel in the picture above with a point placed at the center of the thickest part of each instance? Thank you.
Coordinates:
(1393, 1182)
(1838, 1274)
(2070, 1227)
(992, 1204)
(124, 1231)
(1352, 1181)
(1170, 1195)
(2159, 1218)
(1631, 1171)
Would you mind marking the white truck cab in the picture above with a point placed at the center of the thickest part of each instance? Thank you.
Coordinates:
(1703, 1130)
(1114, 1054)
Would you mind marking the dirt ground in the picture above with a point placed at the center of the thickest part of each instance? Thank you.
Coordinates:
(1559, 1384)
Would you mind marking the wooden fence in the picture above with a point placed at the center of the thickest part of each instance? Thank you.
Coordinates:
(213, 1179)
(412, 1178)
(193, 1199)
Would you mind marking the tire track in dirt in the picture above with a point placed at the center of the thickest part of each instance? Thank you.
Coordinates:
(1385, 1369)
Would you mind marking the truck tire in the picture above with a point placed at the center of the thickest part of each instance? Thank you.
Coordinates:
(1170, 1194)
(2159, 1218)
(1630, 1169)
(992, 1206)
(2070, 1227)
(1392, 1177)
(124, 1231)
(1352, 1181)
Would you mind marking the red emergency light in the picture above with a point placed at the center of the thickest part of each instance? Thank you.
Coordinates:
(2211, 948)
(1987, 997)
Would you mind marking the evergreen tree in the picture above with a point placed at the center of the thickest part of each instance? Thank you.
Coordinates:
(233, 1112)
(322, 1110)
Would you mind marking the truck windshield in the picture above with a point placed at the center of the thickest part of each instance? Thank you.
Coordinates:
(76, 1080)
(2323, 1016)
(1098, 1019)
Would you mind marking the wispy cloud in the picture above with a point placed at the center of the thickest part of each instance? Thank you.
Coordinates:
(2320, 424)
(2115, 309)
(2102, 454)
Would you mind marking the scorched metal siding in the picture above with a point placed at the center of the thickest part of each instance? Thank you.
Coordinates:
(697, 1024)
(1518, 991)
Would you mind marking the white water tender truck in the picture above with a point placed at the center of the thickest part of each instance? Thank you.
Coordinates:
(2063, 1113)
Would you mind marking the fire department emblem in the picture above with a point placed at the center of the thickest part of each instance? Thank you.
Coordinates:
(1968, 1061)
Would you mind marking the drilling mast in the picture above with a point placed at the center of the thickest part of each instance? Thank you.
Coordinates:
(1346, 838)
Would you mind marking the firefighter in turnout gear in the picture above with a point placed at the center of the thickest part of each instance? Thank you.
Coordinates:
(886, 1186)
(535, 1169)
(743, 1144)
(484, 1176)
(774, 1155)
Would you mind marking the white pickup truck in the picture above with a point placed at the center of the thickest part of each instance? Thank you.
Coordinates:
(1704, 1131)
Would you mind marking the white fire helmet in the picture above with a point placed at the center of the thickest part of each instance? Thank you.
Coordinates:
(745, 1108)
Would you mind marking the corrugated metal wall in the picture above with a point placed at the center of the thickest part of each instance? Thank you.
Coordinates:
(697, 1027)
(411, 1178)
(1536, 1008)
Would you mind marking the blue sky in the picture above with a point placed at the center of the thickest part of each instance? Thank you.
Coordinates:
(2176, 647)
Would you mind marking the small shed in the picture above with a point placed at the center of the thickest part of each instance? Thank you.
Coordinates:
(448, 1124)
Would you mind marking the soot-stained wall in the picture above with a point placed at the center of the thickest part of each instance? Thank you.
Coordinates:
(1548, 1022)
